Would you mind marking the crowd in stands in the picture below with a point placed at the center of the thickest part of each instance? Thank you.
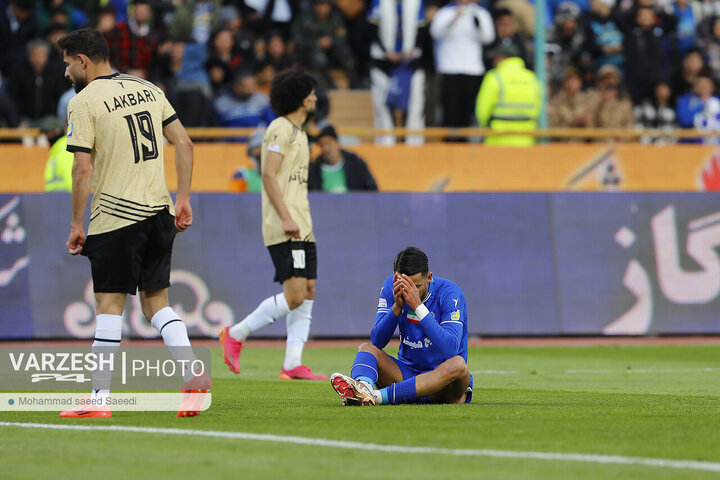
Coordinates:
(610, 63)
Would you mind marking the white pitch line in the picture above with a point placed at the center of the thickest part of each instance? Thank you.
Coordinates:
(603, 371)
(322, 442)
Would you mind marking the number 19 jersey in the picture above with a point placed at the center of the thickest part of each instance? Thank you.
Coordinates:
(118, 119)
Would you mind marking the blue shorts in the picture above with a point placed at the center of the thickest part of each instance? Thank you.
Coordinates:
(408, 372)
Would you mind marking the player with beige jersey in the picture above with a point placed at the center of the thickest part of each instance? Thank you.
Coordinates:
(116, 124)
(286, 227)
(121, 116)
(284, 138)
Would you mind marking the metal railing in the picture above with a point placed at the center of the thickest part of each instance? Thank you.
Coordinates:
(434, 133)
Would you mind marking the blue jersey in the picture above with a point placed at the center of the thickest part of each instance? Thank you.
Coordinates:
(426, 343)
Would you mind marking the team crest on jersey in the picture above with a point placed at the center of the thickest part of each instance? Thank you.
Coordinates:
(455, 315)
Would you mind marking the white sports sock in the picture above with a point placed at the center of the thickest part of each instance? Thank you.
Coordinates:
(174, 334)
(108, 333)
(265, 314)
(298, 329)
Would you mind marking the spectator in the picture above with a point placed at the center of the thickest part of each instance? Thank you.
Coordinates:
(700, 109)
(222, 49)
(570, 106)
(657, 114)
(133, 42)
(34, 87)
(106, 20)
(276, 52)
(566, 34)
(510, 99)
(9, 117)
(688, 15)
(194, 20)
(604, 39)
(397, 76)
(18, 25)
(219, 73)
(644, 53)
(53, 34)
(506, 34)
(337, 170)
(710, 44)
(267, 15)
(692, 67)
(523, 13)
(460, 30)
(609, 108)
(247, 178)
(242, 105)
(243, 41)
(320, 40)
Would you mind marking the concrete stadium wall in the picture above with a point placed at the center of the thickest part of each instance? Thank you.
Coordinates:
(452, 167)
(529, 264)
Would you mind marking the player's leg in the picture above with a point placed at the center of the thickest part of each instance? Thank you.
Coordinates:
(371, 367)
(445, 384)
(115, 272)
(298, 324)
(300, 290)
(375, 367)
(266, 313)
(153, 285)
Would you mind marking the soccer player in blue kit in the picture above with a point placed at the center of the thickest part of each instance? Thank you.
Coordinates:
(431, 314)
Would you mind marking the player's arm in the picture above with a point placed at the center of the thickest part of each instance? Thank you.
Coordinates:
(176, 133)
(270, 167)
(81, 179)
(386, 318)
(447, 334)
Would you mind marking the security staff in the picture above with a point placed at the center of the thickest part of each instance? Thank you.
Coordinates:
(510, 98)
(58, 169)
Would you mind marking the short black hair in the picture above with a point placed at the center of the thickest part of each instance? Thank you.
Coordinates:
(328, 131)
(289, 89)
(410, 261)
(86, 41)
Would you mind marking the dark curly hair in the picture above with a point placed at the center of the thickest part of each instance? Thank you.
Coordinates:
(87, 41)
(289, 89)
(410, 261)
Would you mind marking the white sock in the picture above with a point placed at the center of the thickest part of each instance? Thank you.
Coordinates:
(298, 329)
(265, 314)
(108, 333)
(174, 334)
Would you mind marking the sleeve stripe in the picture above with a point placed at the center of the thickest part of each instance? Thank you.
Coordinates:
(170, 120)
(75, 148)
(450, 321)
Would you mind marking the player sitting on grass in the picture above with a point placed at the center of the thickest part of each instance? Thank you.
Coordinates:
(431, 367)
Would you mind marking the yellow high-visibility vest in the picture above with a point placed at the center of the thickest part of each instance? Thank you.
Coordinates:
(510, 98)
(58, 169)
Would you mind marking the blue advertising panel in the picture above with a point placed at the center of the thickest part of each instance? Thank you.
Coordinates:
(529, 264)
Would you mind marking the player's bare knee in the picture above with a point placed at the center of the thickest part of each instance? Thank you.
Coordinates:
(310, 293)
(295, 300)
(367, 347)
(454, 368)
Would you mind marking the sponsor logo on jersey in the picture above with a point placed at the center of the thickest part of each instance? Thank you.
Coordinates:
(455, 315)
(70, 130)
(382, 303)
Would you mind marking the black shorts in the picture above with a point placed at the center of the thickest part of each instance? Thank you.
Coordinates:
(136, 257)
(294, 259)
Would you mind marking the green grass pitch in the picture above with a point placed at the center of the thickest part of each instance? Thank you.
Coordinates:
(658, 402)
